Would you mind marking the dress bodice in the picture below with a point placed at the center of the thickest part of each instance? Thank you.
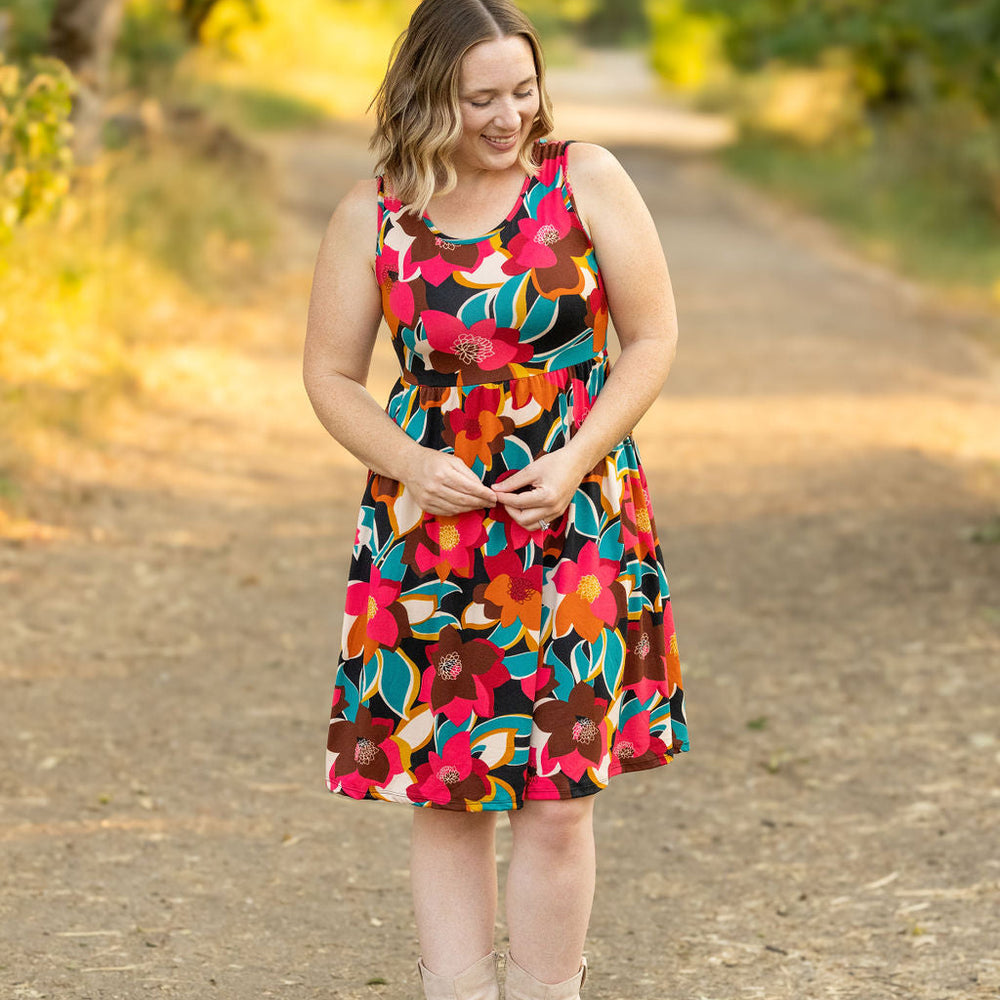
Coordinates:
(525, 298)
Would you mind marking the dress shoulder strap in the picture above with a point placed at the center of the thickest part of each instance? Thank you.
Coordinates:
(551, 155)
(380, 188)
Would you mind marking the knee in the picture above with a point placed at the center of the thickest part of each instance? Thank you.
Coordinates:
(446, 826)
(558, 827)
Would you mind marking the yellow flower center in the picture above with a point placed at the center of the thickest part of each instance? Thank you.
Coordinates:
(642, 521)
(448, 537)
(589, 588)
(372, 607)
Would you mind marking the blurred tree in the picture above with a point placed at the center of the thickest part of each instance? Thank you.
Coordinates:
(903, 51)
(195, 14)
(616, 22)
(35, 157)
(82, 34)
(27, 28)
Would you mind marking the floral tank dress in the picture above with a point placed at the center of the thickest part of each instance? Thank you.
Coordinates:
(483, 664)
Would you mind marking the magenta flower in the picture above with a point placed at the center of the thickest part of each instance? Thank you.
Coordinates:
(483, 347)
(547, 244)
(379, 620)
(446, 545)
(635, 747)
(646, 665)
(453, 778)
(589, 601)
(437, 257)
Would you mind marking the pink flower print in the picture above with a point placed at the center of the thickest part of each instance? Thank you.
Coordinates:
(546, 245)
(637, 528)
(379, 619)
(588, 603)
(436, 257)
(581, 402)
(635, 747)
(449, 544)
(555, 786)
(483, 347)
(453, 778)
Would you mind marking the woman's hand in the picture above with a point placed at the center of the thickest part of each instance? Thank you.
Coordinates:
(443, 485)
(552, 480)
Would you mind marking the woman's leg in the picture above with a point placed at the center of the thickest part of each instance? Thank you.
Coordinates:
(550, 886)
(453, 872)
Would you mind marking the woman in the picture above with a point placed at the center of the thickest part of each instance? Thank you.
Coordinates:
(508, 642)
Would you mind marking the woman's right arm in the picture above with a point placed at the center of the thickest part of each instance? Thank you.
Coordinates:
(345, 308)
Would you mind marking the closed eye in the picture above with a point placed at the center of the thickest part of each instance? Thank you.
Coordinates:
(485, 104)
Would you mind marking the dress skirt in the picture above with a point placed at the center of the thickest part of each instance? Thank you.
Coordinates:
(483, 664)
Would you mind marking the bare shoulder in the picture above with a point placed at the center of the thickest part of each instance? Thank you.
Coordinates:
(351, 232)
(359, 207)
(594, 166)
(604, 193)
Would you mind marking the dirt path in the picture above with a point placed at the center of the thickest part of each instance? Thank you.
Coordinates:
(826, 444)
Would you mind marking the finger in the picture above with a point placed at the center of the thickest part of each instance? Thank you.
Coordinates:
(529, 519)
(524, 501)
(456, 501)
(520, 479)
(466, 480)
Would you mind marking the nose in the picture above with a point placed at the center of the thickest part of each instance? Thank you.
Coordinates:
(507, 116)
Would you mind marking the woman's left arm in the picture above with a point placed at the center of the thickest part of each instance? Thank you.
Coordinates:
(642, 307)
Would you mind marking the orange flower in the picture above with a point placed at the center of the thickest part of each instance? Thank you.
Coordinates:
(476, 431)
(590, 593)
(515, 592)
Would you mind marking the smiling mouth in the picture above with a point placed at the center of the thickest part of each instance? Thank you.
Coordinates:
(502, 142)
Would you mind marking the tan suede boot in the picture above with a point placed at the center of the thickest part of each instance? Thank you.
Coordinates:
(478, 982)
(522, 985)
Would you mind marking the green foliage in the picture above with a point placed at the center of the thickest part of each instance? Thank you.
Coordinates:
(907, 213)
(35, 155)
(616, 22)
(903, 50)
(151, 43)
(29, 27)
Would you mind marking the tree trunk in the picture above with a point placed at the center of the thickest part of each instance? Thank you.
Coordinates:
(82, 33)
(195, 13)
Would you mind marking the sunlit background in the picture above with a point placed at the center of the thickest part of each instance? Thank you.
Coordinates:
(882, 116)
(175, 525)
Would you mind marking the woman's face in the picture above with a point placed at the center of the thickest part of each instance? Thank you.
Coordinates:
(498, 95)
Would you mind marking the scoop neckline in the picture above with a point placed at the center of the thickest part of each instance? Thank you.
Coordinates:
(490, 232)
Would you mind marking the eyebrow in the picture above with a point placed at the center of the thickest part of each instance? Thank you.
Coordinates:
(492, 90)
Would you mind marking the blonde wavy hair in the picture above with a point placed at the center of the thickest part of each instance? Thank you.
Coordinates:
(418, 116)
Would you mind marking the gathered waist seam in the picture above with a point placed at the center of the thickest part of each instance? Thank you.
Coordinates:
(408, 378)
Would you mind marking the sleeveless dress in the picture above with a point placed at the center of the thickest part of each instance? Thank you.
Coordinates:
(483, 664)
